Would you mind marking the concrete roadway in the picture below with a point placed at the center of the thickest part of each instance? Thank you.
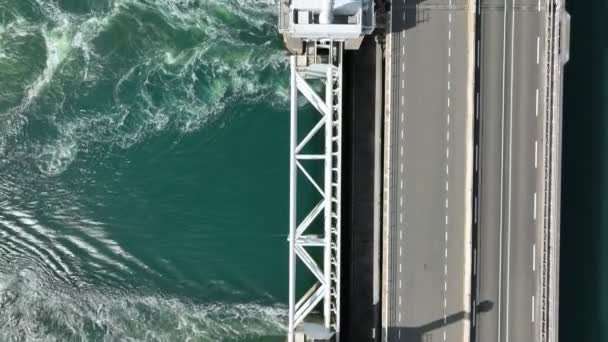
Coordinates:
(511, 164)
(428, 131)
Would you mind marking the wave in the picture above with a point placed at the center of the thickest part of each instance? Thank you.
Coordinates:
(137, 68)
(32, 312)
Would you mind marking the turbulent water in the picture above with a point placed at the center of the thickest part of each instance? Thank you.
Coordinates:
(143, 178)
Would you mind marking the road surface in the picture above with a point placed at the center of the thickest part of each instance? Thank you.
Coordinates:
(511, 162)
(429, 134)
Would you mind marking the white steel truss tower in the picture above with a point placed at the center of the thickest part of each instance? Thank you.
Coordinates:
(321, 62)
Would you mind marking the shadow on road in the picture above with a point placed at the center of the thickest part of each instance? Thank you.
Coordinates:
(420, 333)
(407, 14)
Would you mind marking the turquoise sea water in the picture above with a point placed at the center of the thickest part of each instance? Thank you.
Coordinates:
(584, 238)
(143, 170)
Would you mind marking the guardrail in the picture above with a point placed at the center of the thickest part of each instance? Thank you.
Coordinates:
(551, 158)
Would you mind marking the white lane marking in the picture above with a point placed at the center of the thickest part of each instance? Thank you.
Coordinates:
(532, 308)
(445, 303)
(445, 254)
(399, 283)
(535, 154)
(401, 133)
(449, 68)
(537, 49)
(445, 286)
(448, 118)
(401, 234)
(446, 217)
(447, 135)
(449, 34)
(533, 257)
(401, 150)
(502, 154)
(400, 268)
(402, 67)
(444, 336)
(402, 100)
(400, 217)
(401, 167)
(539, 5)
(403, 50)
(447, 152)
(534, 206)
(400, 250)
(536, 101)
(446, 186)
(448, 102)
(450, 17)
(447, 169)
(445, 269)
(399, 297)
(400, 317)
(449, 52)
(446, 239)
(402, 117)
(401, 201)
(401, 184)
(510, 173)
(448, 85)
(402, 84)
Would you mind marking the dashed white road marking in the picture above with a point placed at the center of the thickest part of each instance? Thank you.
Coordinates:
(534, 206)
(533, 257)
(537, 49)
(532, 308)
(536, 101)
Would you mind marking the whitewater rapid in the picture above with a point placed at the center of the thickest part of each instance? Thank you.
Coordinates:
(79, 82)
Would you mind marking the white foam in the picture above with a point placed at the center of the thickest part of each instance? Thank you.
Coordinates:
(50, 313)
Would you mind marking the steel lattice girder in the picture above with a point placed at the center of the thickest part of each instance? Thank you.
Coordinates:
(326, 274)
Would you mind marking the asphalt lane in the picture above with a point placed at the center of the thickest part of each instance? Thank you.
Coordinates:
(510, 201)
(428, 253)
(490, 163)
